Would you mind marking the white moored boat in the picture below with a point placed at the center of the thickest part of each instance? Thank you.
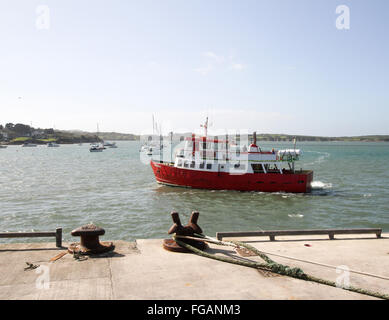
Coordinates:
(52, 145)
(96, 148)
(29, 144)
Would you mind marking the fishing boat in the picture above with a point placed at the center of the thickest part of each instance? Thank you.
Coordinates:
(210, 163)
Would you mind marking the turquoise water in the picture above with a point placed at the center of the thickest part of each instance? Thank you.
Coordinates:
(43, 188)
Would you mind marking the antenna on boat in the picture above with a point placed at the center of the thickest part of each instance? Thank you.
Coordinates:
(171, 146)
(205, 126)
(294, 145)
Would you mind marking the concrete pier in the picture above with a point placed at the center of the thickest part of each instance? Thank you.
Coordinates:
(144, 270)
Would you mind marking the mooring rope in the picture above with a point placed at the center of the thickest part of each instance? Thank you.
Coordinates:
(327, 265)
(269, 264)
(219, 242)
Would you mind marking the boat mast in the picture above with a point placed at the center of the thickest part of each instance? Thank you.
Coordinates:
(153, 124)
(205, 126)
(294, 141)
(227, 147)
(97, 133)
(171, 146)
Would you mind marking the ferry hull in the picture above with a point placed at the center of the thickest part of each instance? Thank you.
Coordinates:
(298, 182)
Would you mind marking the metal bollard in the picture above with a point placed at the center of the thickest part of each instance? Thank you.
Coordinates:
(189, 230)
(89, 240)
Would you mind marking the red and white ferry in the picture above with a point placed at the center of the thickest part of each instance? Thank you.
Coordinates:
(210, 163)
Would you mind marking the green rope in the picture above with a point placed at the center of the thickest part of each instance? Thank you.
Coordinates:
(273, 266)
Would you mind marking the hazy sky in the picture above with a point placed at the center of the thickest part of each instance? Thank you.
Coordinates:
(276, 66)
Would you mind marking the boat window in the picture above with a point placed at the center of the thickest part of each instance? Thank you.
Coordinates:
(180, 153)
(179, 163)
(189, 145)
(209, 166)
(186, 164)
(192, 164)
(257, 168)
(236, 165)
(202, 164)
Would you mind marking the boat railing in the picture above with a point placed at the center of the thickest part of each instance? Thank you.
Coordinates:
(273, 233)
(57, 234)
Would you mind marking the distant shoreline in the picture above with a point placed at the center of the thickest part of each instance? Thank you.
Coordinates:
(18, 134)
(302, 138)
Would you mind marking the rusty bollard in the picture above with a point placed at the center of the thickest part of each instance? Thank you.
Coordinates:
(89, 241)
(189, 230)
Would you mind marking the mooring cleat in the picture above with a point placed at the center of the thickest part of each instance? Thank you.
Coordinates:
(189, 230)
(89, 241)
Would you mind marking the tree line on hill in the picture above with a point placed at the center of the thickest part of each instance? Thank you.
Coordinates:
(20, 133)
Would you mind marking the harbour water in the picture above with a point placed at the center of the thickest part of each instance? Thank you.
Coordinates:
(43, 188)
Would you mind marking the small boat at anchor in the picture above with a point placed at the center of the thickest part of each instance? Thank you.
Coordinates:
(27, 144)
(153, 146)
(110, 144)
(52, 145)
(96, 148)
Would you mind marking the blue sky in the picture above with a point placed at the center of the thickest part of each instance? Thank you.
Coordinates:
(275, 66)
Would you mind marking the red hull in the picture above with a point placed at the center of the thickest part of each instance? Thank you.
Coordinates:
(299, 182)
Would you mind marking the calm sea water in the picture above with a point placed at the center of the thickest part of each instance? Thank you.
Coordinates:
(43, 188)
